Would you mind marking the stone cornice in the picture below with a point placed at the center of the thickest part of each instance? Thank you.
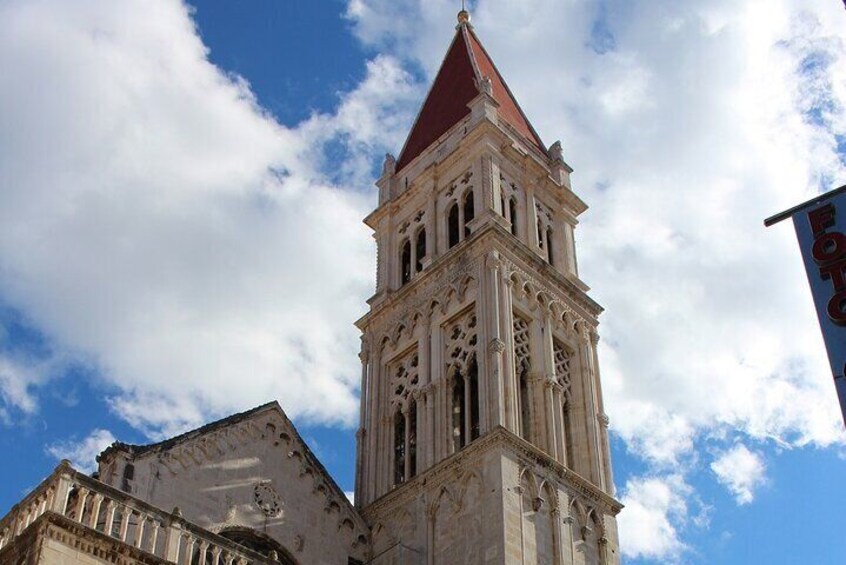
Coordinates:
(499, 438)
(460, 261)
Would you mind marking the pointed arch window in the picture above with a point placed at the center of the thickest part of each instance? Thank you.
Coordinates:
(405, 262)
(522, 368)
(453, 228)
(469, 211)
(412, 439)
(473, 382)
(399, 447)
(462, 371)
(562, 358)
(420, 249)
(458, 437)
(512, 209)
(549, 254)
(405, 383)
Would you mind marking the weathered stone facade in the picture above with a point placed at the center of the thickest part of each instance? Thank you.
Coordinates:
(483, 437)
(482, 433)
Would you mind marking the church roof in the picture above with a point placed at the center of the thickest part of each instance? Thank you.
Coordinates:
(137, 450)
(455, 85)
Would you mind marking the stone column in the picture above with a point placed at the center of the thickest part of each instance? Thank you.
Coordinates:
(485, 315)
(531, 219)
(372, 460)
(509, 377)
(172, 542)
(437, 379)
(558, 399)
(63, 488)
(361, 434)
(536, 381)
(424, 371)
(603, 421)
(432, 222)
(590, 409)
(549, 369)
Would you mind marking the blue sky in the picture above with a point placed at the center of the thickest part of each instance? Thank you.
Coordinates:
(180, 203)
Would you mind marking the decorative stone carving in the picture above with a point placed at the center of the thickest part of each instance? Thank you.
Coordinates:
(497, 345)
(461, 341)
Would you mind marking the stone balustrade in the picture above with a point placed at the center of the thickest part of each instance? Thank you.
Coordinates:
(118, 515)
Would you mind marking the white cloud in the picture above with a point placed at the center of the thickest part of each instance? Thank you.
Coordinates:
(160, 227)
(83, 453)
(741, 471)
(650, 525)
(156, 224)
(350, 496)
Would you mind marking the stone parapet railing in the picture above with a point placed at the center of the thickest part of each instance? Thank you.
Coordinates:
(124, 518)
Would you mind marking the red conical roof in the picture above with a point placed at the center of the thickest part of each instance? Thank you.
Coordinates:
(465, 64)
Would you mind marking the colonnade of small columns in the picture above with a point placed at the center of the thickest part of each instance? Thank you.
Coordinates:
(566, 422)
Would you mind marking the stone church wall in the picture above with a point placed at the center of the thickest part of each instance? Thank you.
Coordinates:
(252, 475)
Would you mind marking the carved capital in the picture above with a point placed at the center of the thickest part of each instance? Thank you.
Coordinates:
(593, 336)
(496, 345)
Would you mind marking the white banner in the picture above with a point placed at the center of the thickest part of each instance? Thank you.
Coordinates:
(821, 230)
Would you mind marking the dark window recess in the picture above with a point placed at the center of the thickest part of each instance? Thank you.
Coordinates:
(469, 211)
(512, 205)
(525, 402)
(128, 476)
(420, 249)
(549, 245)
(354, 561)
(405, 261)
(458, 438)
(412, 439)
(473, 377)
(399, 448)
(452, 225)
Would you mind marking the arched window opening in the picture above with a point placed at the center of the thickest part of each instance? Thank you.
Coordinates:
(412, 439)
(473, 378)
(512, 208)
(452, 225)
(522, 367)
(420, 249)
(469, 211)
(256, 541)
(525, 405)
(540, 234)
(549, 245)
(405, 261)
(399, 448)
(568, 437)
(458, 438)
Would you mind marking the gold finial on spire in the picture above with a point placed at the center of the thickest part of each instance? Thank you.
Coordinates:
(463, 15)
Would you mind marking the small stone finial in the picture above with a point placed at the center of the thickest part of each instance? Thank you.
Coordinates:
(485, 85)
(463, 17)
(389, 167)
(556, 151)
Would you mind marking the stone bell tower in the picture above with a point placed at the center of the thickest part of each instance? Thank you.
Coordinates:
(483, 437)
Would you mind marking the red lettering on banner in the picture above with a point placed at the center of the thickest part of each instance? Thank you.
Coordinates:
(837, 273)
(837, 308)
(829, 252)
(828, 247)
(821, 218)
